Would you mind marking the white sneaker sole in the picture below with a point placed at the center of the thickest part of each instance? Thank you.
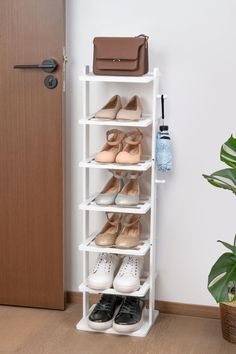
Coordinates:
(128, 328)
(126, 288)
(102, 326)
(99, 286)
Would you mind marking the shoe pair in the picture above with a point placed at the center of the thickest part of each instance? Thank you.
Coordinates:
(121, 232)
(121, 147)
(127, 278)
(116, 192)
(124, 315)
(113, 109)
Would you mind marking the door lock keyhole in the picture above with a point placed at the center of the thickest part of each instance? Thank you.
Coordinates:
(50, 82)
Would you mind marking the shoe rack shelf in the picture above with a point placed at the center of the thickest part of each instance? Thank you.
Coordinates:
(147, 244)
(145, 286)
(142, 208)
(89, 246)
(90, 77)
(142, 332)
(143, 165)
(144, 122)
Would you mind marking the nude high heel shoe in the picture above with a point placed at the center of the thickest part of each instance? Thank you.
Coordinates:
(112, 147)
(130, 193)
(110, 231)
(132, 111)
(108, 195)
(132, 150)
(109, 111)
(130, 233)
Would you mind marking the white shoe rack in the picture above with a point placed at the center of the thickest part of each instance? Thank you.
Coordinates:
(147, 246)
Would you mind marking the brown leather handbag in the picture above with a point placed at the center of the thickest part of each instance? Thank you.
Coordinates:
(120, 56)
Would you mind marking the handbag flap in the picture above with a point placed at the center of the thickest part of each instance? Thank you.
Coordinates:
(114, 48)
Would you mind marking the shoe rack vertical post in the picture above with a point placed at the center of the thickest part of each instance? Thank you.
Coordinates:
(147, 204)
(86, 104)
(153, 220)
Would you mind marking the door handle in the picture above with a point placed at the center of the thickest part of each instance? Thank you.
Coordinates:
(47, 65)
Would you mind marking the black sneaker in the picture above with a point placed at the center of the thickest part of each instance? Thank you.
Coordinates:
(130, 315)
(102, 316)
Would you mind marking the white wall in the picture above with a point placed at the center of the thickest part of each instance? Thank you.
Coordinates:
(193, 43)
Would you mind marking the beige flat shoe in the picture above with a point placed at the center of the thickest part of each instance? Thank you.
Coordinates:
(110, 231)
(112, 148)
(132, 111)
(130, 193)
(109, 111)
(132, 150)
(130, 233)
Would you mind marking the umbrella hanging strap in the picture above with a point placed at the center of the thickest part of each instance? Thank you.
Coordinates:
(162, 110)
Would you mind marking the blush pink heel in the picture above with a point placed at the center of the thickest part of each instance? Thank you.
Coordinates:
(112, 147)
(132, 150)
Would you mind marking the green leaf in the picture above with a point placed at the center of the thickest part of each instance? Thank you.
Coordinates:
(225, 179)
(230, 247)
(223, 275)
(228, 152)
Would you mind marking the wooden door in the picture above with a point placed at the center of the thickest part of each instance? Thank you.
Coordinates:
(31, 155)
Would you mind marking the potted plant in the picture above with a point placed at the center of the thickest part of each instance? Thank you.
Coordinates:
(222, 277)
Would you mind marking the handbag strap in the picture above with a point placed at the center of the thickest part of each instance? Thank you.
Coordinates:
(143, 36)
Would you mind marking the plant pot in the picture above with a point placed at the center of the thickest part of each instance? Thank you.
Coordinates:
(228, 321)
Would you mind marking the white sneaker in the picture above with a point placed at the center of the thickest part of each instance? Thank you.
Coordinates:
(103, 273)
(128, 278)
